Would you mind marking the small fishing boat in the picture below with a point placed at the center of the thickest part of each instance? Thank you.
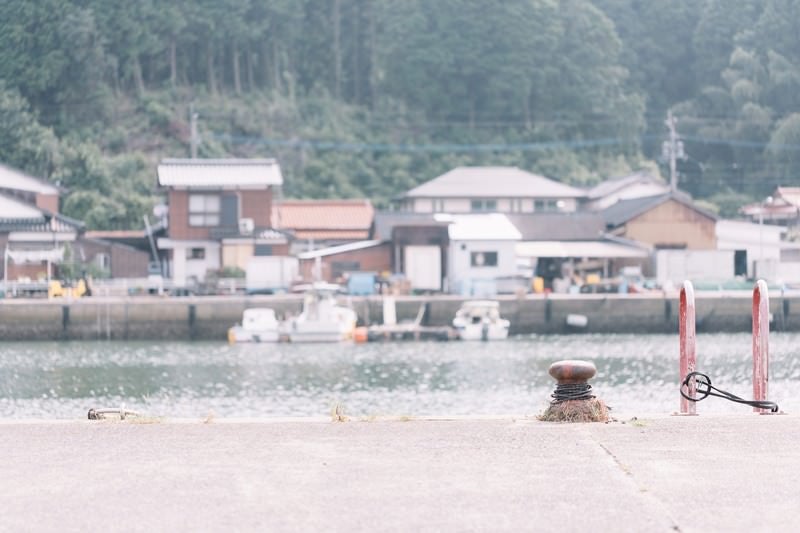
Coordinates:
(258, 325)
(322, 318)
(479, 320)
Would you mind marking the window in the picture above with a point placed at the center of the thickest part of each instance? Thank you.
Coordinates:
(545, 205)
(195, 253)
(483, 205)
(261, 250)
(483, 259)
(103, 261)
(204, 210)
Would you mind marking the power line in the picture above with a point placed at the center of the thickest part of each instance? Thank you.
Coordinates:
(303, 144)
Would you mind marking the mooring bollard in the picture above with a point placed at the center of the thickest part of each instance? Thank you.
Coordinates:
(760, 343)
(573, 400)
(688, 339)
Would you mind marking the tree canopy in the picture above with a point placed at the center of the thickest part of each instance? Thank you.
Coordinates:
(371, 97)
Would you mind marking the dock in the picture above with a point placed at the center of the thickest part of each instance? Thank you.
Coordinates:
(410, 332)
(506, 473)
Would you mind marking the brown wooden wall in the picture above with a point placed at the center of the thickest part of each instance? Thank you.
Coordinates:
(673, 225)
(126, 261)
(375, 259)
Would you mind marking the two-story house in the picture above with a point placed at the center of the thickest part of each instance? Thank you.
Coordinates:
(220, 215)
(33, 235)
(491, 190)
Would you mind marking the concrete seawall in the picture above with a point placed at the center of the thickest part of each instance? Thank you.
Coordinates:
(208, 318)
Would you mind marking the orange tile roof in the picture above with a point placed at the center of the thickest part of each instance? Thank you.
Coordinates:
(323, 215)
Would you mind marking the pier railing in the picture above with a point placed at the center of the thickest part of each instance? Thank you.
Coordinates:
(688, 345)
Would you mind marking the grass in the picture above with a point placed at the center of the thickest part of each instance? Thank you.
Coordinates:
(337, 414)
(593, 410)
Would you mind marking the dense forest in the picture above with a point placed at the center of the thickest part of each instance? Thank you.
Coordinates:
(366, 98)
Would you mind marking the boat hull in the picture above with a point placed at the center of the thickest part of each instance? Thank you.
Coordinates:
(482, 332)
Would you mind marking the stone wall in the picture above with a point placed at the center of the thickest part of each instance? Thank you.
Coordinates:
(208, 318)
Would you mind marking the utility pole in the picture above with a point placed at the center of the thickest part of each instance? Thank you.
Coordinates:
(193, 139)
(672, 150)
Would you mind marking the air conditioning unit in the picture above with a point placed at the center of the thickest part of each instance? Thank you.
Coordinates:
(246, 226)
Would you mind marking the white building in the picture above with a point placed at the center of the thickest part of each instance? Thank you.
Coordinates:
(491, 190)
(481, 251)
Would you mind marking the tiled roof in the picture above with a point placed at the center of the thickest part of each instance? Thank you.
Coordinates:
(612, 185)
(255, 173)
(559, 226)
(323, 215)
(386, 221)
(13, 209)
(16, 215)
(14, 179)
(480, 227)
(625, 210)
(493, 182)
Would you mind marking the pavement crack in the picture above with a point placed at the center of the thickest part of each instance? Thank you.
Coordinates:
(644, 491)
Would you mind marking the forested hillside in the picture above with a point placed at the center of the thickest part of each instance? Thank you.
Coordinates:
(370, 97)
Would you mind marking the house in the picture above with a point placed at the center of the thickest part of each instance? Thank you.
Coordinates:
(29, 190)
(482, 252)
(220, 215)
(782, 207)
(757, 248)
(555, 245)
(491, 189)
(323, 223)
(420, 244)
(637, 185)
(34, 240)
(665, 221)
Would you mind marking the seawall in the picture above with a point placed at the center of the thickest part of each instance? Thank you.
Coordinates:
(208, 318)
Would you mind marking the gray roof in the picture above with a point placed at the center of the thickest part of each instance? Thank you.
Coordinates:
(613, 185)
(493, 182)
(16, 215)
(385, 221)
(11, 178)
(625, 210)
(559, 226)
(248, 173)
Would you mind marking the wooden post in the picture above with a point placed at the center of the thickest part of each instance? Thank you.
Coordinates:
(760, 342)
(688, 339)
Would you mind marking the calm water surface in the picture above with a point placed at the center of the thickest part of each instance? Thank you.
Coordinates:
(636, 375)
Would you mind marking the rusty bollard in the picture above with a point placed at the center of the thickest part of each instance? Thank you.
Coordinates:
(573, 400)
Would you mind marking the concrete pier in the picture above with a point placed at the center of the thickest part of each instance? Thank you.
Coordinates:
(726, 473)
(208, 318)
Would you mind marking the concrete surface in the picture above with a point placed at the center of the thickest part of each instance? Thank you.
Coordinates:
(723, 473)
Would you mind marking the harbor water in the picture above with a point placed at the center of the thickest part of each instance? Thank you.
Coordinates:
(637, 375)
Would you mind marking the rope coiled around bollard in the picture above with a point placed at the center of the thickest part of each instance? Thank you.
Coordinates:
(572, 391)
(705, 389)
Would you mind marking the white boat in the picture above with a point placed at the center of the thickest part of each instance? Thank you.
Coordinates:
(479, 320)
(322, 318)
(258, 325)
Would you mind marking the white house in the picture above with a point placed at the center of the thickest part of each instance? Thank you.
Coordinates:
(481, 251)
(491, 190)
(757, 247)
